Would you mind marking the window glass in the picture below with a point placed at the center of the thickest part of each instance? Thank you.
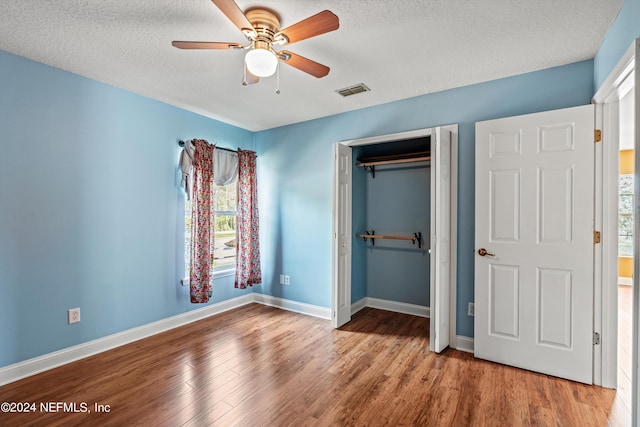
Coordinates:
(225, 241)
(225, 226)
(625, 216)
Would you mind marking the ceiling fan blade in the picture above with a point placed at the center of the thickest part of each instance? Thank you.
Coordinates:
(303, 64)
(315, 25)
(234, 13)
(205, 45)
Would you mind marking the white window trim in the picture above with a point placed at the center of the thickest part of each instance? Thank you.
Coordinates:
(219, 273)
(226, 213)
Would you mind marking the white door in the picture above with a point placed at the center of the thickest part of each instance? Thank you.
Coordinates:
(440, 238)
(534, 242)
(342, 236)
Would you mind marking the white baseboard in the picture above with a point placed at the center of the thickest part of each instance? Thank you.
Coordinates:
(398, 307)
(295, 306)
(625, 281)
(464, 343)
(45, 362)
(358, 305)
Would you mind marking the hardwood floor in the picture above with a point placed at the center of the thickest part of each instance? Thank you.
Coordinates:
(258, 365)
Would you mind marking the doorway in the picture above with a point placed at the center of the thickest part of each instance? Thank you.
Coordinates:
(443, 294)
(625, 249)
(616, 313)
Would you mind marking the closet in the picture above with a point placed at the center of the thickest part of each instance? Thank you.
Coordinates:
(391, 220)
(392, 226)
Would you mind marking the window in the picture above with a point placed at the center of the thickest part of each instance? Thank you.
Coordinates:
(625, 216)
(224, 254)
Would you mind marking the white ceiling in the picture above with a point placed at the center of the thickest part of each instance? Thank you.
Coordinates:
(400, 49)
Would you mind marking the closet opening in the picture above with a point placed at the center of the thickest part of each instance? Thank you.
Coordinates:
(391, 189)
(386, 203)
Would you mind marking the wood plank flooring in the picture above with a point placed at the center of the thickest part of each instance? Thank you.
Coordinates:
(258, 365)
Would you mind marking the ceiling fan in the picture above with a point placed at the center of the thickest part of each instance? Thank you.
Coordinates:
(261, 27)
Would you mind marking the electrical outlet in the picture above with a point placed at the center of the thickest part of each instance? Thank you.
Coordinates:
(282, 279)
(287, 280)
(472, 309)
(74, 315)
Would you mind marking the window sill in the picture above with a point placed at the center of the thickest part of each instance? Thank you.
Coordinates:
(625, 256)
(224, 273)
(218, 274)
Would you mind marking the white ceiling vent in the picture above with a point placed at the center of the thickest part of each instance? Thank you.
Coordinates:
(352, 90)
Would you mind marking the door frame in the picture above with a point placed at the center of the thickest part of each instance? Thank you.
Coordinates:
(618, 83)
(454, 215)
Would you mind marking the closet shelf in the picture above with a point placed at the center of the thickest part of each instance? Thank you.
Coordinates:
(369, 163)
(417, 237)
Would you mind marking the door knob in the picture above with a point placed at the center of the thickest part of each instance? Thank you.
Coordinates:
(483, 252)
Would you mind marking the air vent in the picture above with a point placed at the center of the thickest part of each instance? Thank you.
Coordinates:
(352, 90)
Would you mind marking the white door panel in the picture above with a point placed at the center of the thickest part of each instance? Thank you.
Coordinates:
(440, 238)
(342, 236)
(534, 214)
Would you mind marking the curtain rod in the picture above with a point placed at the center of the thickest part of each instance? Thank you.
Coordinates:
(181, 144)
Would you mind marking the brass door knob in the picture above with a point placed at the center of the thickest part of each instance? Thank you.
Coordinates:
(483, 252)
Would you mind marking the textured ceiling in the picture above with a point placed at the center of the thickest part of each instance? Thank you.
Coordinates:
(399, 48)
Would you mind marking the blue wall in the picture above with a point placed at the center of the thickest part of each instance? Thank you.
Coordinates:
(398, 202)
(395, 202)
(295, 172)
(624, 30)
(90, 211)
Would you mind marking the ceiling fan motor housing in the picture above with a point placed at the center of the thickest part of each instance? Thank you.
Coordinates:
(266, 24)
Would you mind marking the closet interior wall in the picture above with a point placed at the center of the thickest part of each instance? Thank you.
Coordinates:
(394, 202)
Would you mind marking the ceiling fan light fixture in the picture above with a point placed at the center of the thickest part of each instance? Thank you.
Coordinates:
(261, 62)
(261, 27)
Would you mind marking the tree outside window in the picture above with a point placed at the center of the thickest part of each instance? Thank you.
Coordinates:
(625, 216)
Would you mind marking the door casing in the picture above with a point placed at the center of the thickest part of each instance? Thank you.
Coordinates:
(621, 79)
(454, 214)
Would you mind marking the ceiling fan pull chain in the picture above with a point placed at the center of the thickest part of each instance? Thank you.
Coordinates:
(244, 76)
(278, 79)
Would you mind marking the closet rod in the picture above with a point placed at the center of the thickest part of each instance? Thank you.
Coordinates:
(395, 156)
(390, 162)
(181, 144)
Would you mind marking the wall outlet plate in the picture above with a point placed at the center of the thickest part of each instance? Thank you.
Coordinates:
(287, 280)
(74, 315)
(472, 309)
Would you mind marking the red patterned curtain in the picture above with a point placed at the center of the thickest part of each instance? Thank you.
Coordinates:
(248, 259)
(202, 223)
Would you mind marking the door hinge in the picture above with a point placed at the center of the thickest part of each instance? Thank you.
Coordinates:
(334, 314)
(597, 135)
(596, 238)
(596, 338)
